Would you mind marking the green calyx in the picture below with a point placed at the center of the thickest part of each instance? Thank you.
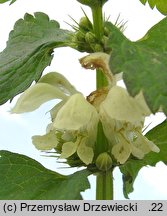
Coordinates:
(93, 3)
(85, 40)
(85, 24)
(104, 161)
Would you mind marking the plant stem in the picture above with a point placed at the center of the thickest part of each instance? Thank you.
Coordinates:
(101, 142)
(98, 21)
(101, 80)
(104, 180)
(98, 31)
(104, 186)
(97, 14)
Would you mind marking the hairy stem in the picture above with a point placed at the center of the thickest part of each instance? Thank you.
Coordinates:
(104, 180)
(98, 21)
(104, 186)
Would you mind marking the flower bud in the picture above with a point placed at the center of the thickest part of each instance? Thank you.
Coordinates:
(80, 36)
(90, 37)
(85, 24)
(104, 161)
(98, 48)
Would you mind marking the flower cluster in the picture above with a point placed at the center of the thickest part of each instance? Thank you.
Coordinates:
(75, 120)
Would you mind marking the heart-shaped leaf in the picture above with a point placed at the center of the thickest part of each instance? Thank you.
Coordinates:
(28, 52)
(24, 178)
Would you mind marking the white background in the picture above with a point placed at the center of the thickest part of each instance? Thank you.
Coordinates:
(16, 130)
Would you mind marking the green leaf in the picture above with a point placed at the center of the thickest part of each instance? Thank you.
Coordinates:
(29, 50)
(143, 1)
(4, 1)
(130, 169)
(143, 63)
(24, 178)
(159, 136)
(161, 5)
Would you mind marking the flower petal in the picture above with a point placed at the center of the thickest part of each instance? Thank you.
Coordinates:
(75, 114)
(67, 136)
(99, 60)
(45, 142)
(121, 151)
(142, 103)
(59, 81)
(68, 149)
(56, 108)
(35, 96)
(120, 106)
(144, 144)
(152, 146)
(84, 152)
(137, 152)
(109, 127)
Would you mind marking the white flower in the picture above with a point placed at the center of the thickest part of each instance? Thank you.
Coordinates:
(75, 120)
(76, 123)
(119, 105)
(80, 118)
(45, 142)
(143, 144)
(121, 150)
(77, 113)
(51, 86)
(122, 117)
(84, 152)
